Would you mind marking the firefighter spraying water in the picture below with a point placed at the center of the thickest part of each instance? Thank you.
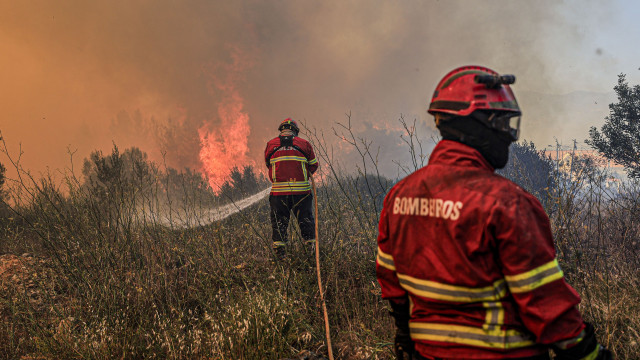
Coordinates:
(466, 257)
(291, 161)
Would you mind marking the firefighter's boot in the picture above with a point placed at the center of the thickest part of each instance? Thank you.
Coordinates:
(280, 250)
(310, 246)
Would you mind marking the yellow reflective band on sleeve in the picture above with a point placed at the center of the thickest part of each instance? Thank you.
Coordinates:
(467, 335)
(288, 158)
(385, 260)
(313, 161)
(594, 354)
(535, 278)
(439, 291)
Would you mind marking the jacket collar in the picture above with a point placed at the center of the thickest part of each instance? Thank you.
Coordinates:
(449, 152)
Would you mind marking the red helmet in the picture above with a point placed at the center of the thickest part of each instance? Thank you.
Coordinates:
(289, 123)
(470, 88)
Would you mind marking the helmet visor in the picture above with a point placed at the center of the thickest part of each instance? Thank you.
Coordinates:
(508, 123)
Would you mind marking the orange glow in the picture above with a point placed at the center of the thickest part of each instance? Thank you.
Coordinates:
(225, 145)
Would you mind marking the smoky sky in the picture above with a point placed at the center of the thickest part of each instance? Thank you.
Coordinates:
(82, 75)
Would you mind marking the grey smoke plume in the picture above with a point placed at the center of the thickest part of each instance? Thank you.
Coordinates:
(143, 73)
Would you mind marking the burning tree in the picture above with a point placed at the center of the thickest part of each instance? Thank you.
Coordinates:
(620, 137)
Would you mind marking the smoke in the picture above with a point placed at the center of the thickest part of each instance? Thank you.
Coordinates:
(204, 84)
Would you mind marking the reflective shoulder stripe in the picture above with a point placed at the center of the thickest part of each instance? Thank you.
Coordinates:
(440, 291)
(535, 278)
(468, 335)
(386, 260)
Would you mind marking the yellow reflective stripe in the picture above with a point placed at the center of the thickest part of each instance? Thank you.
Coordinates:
(278, 187)
(287, 188)
(285, 158)
(278, 244)
(535, 278)
(314, 161)
(594, 354)
(304, 171)
(385, 260)
(287, 183)
(439, 291)
(467, 335)
(290, 190)
(495, 314)
(283, 188)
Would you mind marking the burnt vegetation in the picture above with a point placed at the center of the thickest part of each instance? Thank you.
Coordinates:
(101, 266)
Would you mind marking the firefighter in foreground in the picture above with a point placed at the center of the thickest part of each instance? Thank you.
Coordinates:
(291, 162)
(466, 257)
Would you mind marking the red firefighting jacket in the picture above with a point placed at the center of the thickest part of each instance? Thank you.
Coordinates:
(290, 166)
(474, 254)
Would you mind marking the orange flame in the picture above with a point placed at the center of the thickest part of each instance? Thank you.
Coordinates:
(225, 145)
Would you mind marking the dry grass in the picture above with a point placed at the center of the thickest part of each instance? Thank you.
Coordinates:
(105, 281)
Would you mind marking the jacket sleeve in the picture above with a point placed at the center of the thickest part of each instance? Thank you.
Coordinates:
(266, 154)
(546, 303)
(385, 265)
(312, 164)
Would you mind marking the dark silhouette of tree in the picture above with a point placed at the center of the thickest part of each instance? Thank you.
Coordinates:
(530, 169)
(4, 208)
(242, 182)
(2, 180)
(113, 176)
(620, 137)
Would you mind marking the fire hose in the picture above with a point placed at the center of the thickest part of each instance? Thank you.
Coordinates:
(324, 304)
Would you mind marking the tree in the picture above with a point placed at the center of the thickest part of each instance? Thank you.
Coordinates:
(242, 182)
(530, 169)
(116, 175)
(619, 140)
(2, 179)
(3, 205)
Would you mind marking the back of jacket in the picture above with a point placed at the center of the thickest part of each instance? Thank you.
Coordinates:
(474, 253)
(290, 166)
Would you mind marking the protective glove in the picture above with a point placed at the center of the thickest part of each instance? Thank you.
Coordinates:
(587, 348)
(403, 345)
